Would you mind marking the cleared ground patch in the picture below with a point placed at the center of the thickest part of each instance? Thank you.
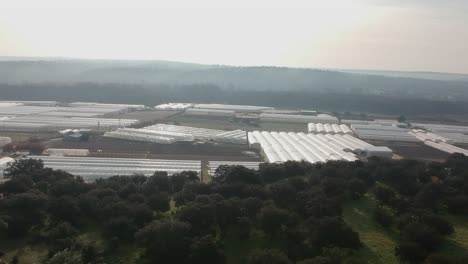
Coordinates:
(379, 244)
(109, 147)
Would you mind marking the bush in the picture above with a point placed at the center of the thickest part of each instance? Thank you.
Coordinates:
(457, 204)
(268, 256)
(411, 252)
(383, 216)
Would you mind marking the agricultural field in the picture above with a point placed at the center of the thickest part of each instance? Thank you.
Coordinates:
(227, 124)
(109, 147)
(418, 152)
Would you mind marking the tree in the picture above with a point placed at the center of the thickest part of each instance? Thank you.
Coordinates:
(438, 223)
(65, 257)
(334, 232)
(251, 206)
(64, 208)
(227, 212)
(274, 220)
(24, 210)
(18, 184)
(457, 204)
(316, 260)
(283, 193)
(178, 180)
(62, 231)
(206, 250)
(159, 201)
(240, 174)
(268, 256)
(402, 119)
(429, 195)
(165, 241)
(23, 167)
(422, 234)
(121, 227)
(159, 182)
(357, 188)
(241, 228)
(440, 259)
(200, 215)
(35, 148)
(384, 195)
(383, 216)
(142, 214)
(410, 251)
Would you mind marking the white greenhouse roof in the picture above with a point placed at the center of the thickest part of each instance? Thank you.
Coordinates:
(282, 146)
(91, 168)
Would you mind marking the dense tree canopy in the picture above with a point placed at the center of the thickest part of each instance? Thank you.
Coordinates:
(287, 213)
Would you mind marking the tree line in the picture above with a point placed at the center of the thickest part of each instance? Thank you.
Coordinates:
(153, 94)
(281, 213)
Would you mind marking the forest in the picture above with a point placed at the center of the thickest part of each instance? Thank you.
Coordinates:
(153, 94)
(280, 214)
(440, 86)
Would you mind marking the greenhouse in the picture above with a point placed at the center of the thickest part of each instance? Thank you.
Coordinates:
(282, 146)
(320, 128)
(91, 168)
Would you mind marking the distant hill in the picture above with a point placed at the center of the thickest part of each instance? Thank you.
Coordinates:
(391, 84)
(441, 76)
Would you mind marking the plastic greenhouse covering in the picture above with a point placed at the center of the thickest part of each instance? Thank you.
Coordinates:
(91, 168)
(282, 146)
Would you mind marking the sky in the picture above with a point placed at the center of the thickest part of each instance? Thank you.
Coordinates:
(404, 35)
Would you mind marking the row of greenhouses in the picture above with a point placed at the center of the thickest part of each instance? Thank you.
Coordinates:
(53, 123)
(286, 118)
(91, 168)
(428, 136)
(324, 128)
(445, 147)
(32, 116)
(383, 133)
(283, 146)
(168, 134)
(437, 141)
(148, 135)
(173, 106)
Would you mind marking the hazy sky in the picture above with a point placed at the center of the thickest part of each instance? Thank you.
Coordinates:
(413, 35)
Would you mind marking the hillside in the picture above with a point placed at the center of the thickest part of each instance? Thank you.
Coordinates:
(232, 78)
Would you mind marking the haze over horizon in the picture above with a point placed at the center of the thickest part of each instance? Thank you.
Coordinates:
(415, 35)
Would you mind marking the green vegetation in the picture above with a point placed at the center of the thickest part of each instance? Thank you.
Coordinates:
(379, 212)
(379, 243)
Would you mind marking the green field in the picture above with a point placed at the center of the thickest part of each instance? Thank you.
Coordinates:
(379, 243)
